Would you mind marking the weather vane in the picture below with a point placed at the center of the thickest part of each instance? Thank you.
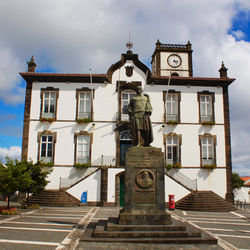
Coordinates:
(129, 44)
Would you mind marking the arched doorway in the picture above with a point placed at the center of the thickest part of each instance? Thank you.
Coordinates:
(125, 144)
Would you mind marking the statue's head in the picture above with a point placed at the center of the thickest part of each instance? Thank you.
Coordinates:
(139, 89)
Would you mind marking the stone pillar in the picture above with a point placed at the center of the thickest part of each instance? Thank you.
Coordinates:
(144, 201)
(104, 186)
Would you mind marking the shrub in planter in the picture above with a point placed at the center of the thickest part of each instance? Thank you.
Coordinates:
(85, 120)
(173, 122)
(82, 165)
(208, 123)
(47, 120)
(209, 166)
(170, 166)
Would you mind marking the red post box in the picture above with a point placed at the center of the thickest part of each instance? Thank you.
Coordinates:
(171, 203)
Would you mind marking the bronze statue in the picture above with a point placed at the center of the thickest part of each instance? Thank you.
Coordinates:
(139, 110)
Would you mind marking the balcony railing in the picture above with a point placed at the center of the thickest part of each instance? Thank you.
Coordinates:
(82, 173)
(183, 179)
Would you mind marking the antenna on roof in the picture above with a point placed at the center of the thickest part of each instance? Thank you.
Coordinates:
(91, 82)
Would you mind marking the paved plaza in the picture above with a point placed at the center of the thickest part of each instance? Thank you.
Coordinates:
(62, 228)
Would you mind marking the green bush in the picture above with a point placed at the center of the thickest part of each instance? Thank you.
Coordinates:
(85, 120)
(172, 122)
(209, 123)
(82, 165)
(170, 166)
(209, 166)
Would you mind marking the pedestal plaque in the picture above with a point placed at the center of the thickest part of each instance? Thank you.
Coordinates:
(144, 200)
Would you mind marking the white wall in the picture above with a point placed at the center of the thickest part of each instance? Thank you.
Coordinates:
(242, 194)
(172, 187)
(91, 185)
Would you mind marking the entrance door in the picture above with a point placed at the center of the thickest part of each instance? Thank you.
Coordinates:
(125, 144)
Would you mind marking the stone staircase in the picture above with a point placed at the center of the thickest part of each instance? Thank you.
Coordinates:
(204, 201)
(54, 198)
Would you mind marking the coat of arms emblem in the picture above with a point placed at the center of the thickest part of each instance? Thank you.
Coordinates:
(129, 70)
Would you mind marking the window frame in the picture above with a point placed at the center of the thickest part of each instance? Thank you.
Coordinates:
(212, 95)
(39, 138)
(122, 86)
(172, 135)
(42, 93)
(76, 144)
(92, 96)
(214, 143)
(178, 94)
(129, 91)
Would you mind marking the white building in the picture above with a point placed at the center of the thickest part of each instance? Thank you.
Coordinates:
(82, 118)
(243, 194)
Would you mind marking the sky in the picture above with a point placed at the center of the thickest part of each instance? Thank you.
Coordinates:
(71, 36)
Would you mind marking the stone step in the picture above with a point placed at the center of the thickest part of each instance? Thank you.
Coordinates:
(204, 201)
(117, 227)
(100, 233)
(178, 240)
(57, 198)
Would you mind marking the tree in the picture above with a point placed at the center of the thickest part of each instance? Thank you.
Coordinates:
(24, 176)
(38, 172)
(237, 182)
(12, 178)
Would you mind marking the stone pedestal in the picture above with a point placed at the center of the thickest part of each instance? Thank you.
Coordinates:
(143, 218)
(144, 201)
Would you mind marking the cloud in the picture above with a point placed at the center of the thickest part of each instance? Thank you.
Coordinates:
(72, 36)
(10, 91)
(13, 152)
(238, 34)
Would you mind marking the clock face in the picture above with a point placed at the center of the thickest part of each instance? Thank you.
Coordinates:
(174, 60)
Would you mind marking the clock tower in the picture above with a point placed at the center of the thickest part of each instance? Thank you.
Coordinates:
(174, 59)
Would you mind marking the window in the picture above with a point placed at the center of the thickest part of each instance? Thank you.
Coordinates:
(46, 146)
(172, 143)
(126, 96)
(83, 141)
(207, 143)
(82, 154)
(84, 105)
(84, 108)
(49, 97)
(206, 101)
(49, 104)
(171, 100)
(172, 150)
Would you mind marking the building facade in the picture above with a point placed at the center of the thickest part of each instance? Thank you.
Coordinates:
(77, 120)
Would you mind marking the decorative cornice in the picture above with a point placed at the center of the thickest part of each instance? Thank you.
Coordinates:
(64, 77)
(191, 81)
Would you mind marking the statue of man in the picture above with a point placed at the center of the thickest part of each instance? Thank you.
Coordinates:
(139, 110)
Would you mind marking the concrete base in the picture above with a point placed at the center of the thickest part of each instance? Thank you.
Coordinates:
(145, 219)
(177, 233)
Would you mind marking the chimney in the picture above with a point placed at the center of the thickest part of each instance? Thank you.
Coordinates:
(223, 71)
(31, 65)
